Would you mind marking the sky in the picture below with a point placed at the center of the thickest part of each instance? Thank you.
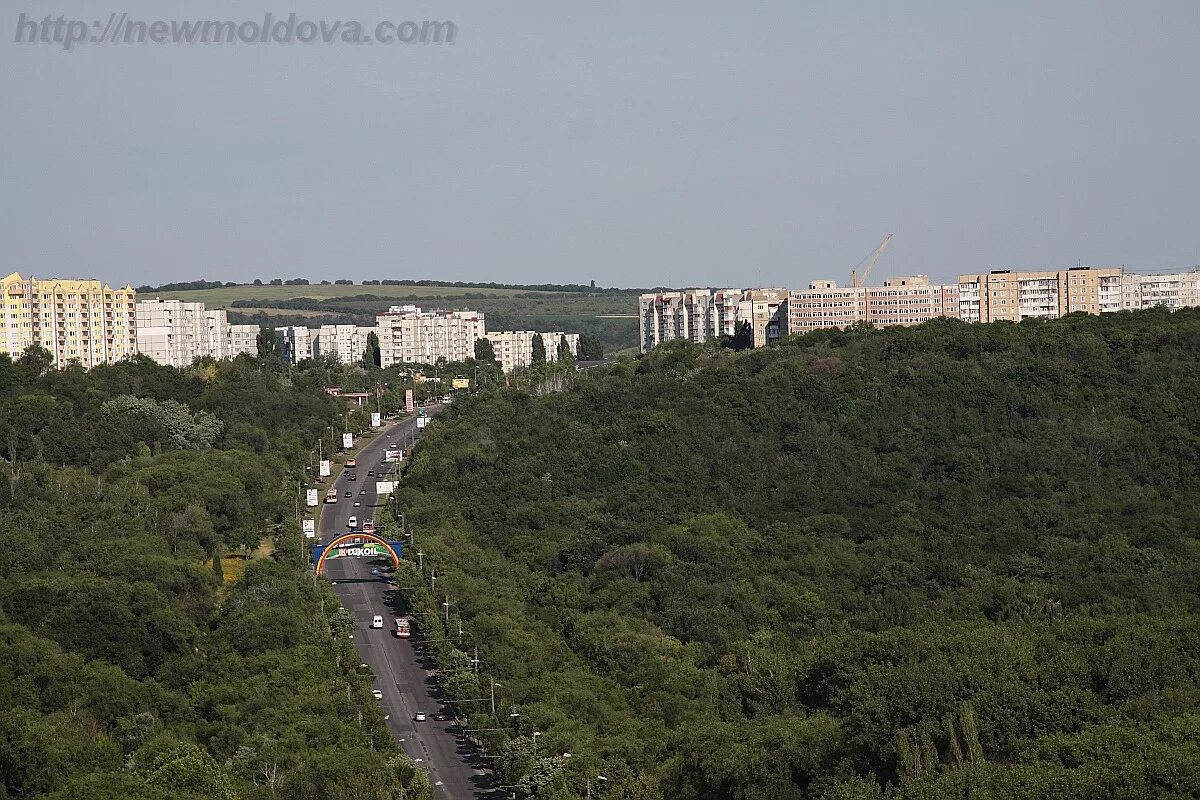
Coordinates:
(636, 144)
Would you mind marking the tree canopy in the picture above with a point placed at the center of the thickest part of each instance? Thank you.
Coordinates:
(945, 561)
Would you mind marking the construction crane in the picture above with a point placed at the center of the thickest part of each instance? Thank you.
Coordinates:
(855, 281)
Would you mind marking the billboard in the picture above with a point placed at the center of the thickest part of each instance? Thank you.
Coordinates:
(392, 456)
(384, 488)
(408, 401)
(312, 498)
(375, 420)
(325, 469)
(462, 383)
(310, 529)
(347, 441)
(422, 422)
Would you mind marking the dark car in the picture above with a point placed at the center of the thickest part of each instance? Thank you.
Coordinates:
(362, 491)
(349, 494)
(353, 477)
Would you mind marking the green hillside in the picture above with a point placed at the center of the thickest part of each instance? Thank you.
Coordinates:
(943, 562)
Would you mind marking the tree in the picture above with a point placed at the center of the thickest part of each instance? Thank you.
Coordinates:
(743, 339)
(564, 353)
(277, 281)
(268, 346)
(36, 360)
(539, 349)
(372, 356)
(258, 282)
(484, 352)
(590, 348)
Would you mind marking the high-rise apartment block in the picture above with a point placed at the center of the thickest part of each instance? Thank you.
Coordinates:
(514, 349)
(176, 333)
(1179, 290)
(76, 320)
(346, 343)
(243, 339)
(408, 335)
(908, 300)
(911, 300)
(696, 315)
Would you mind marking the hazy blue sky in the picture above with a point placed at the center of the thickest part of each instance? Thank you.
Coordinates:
(633, 143)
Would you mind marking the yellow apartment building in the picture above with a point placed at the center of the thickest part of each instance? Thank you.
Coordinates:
(80, 320)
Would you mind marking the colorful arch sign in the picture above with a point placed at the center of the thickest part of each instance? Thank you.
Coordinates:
(356, 544)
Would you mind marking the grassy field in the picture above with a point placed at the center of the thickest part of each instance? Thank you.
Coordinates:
(221, 298)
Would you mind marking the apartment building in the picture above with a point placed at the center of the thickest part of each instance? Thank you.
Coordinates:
(695, 315)
(1175, 290)
(767, 312)
(295, 343)
(243, 339)
(409, 335)
(1048, 294)
(80, 320)
(514, 349)
(346, 343)
(176, 333)
(907, 300)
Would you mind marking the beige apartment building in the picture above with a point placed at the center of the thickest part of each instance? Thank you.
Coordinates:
(409, 335)
(80, 320)
(1014, 296)
(514, 349)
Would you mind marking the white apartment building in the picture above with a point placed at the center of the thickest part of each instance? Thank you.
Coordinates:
(243, 339)
(696, 315)
(176, 333)
(346, 343)
(295, 343)
(1177, 290)
(514, 349)
(409, 335)
(76, 320)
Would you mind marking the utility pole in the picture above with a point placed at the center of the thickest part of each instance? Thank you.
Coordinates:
(492, 684)
(447, 605)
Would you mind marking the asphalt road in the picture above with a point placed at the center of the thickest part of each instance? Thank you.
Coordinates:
(401, 670)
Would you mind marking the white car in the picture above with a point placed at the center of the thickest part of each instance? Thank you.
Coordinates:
(419, 716)
(357, 504)
(352, 522)
(377, 622)
(378, 695)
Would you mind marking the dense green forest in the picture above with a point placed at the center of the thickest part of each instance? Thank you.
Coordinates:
(128, 667)
(950, 561)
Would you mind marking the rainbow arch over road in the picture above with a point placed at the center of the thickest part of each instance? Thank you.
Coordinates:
(322, 552)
